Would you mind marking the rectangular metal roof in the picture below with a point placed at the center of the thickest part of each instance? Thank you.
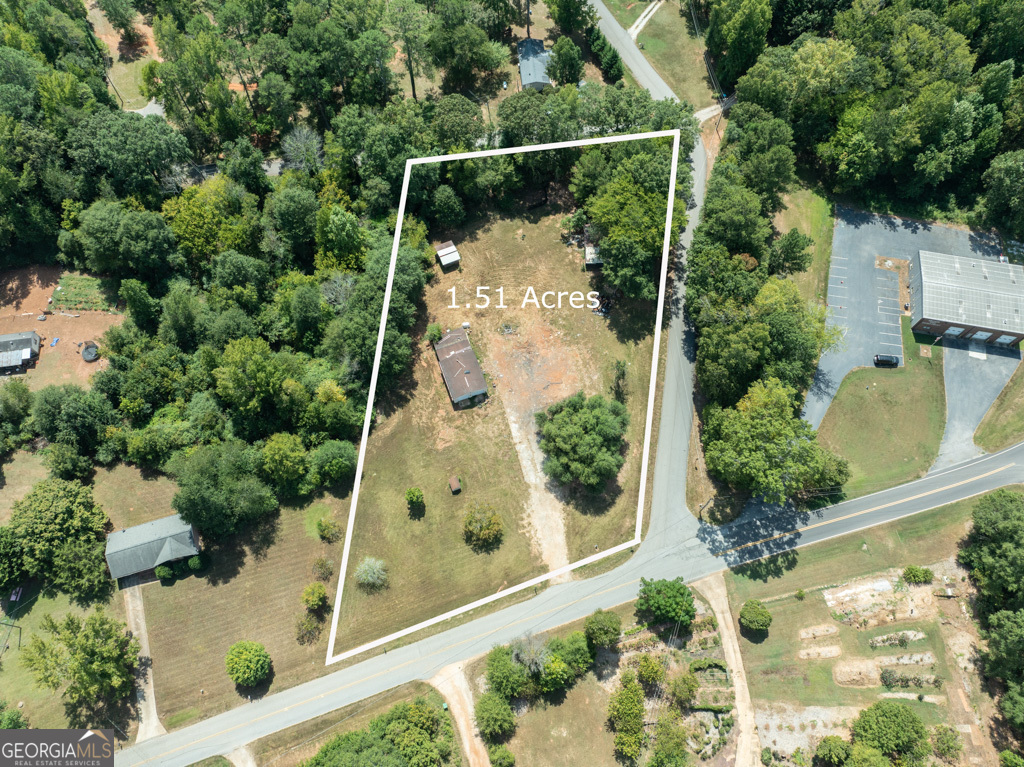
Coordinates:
(459, 366)
(972, 291)
(143, 547)
(533, 62)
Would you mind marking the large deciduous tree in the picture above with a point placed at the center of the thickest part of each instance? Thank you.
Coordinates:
(583, 440)
(666, 601)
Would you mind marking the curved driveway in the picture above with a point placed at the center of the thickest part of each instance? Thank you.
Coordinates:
(676, 545)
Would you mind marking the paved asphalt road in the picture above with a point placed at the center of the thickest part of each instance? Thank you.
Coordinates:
(974, 376)
(676, 545)
(637, 63)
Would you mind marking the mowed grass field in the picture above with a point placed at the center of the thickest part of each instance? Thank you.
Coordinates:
(423, 441)
(573, 732)
(18, 474)
(888, 423)
(251, 591)
(291, 746)
(668, 42)
(776, 674)
(811, 214)
(1003, 424)
(43, 707)
(131, 497)
(626, 11)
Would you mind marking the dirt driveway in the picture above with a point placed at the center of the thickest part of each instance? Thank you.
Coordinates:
(24, 295)
(451, 682)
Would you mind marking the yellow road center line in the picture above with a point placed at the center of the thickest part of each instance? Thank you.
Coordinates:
(865, 511)
(336, 690)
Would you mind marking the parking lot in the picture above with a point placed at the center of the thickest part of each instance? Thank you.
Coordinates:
(864, 300)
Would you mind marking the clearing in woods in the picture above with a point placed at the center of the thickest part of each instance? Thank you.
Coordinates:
(79, 312)
(531, 357)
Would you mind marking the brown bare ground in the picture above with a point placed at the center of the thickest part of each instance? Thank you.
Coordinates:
(711, 133)
(856, 672)
(819, 653)
(452, 683)
(815, 632)
(24, 295)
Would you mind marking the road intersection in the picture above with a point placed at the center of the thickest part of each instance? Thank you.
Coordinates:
(677, 544)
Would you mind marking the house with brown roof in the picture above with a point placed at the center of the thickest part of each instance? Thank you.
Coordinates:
(460, 368)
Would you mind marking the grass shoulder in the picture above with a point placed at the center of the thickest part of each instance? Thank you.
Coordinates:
(1003, 424)
(859, 423)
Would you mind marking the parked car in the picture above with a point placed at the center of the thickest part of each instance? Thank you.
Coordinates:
(887, 361)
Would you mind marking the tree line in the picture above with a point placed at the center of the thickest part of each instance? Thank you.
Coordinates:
(908, 106)
(758, 342)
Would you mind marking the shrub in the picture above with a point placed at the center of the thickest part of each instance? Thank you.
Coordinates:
(181, 568)
(195, 563)
(322, 569)
(650, 670)
(682, 688)
(483, 528)
(946, 743)
(163, 572)
(500, 756)
(556, 675)
(314, 597)
(800, 595)
(602, 628)
(626, 715)
(372, 573)
(889, 678)
(328, 530)
(248, 663)
(434, 332)
(1010, 759)
(915, 574)
(494, 717)
(504, 675)
(414, 500)
(754, 616)
(308, 629)
(574, 650)
(766, 757)
(333, 462)
(666, 601)
(832, 751)
(64, 462)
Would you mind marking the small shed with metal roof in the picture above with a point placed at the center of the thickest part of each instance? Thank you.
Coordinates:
(18, 351)
(143, 547)
(448, 255)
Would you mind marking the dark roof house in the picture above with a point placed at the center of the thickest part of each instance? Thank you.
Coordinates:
(143, 547)
(533, 64)
(459, 366)
(18, 349)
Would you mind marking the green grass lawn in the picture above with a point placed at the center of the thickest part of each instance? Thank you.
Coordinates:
(250, 590)
(810, 214)
(1003, 424)
(43, 707)
(84, 292)
(676, 53)
(773, 670)
(573, 732)
(626, 11)
(888, 423)
(131, 497)
(18, 474)
(918, 539)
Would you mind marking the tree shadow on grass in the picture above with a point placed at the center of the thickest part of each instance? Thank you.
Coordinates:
(104, 714)
(770, 567)
(227, 557)
(257, 691)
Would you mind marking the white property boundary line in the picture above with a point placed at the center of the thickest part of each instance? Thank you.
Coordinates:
(331, 657)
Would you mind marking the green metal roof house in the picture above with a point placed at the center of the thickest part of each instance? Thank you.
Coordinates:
(143, 547)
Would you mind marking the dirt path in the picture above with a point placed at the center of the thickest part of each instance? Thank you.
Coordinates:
(452, 683)
(149, 722)
(748, 745)
(546, 520)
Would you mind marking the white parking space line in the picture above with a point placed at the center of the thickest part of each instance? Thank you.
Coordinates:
(897, 335)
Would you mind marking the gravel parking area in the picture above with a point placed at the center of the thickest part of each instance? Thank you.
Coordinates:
(864, 300)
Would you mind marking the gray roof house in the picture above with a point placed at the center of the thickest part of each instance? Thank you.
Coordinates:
(18, 350)
(143, 547)
(533, 64)
(460, 368)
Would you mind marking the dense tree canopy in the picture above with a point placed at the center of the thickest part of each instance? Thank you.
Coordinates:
(582, 440)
